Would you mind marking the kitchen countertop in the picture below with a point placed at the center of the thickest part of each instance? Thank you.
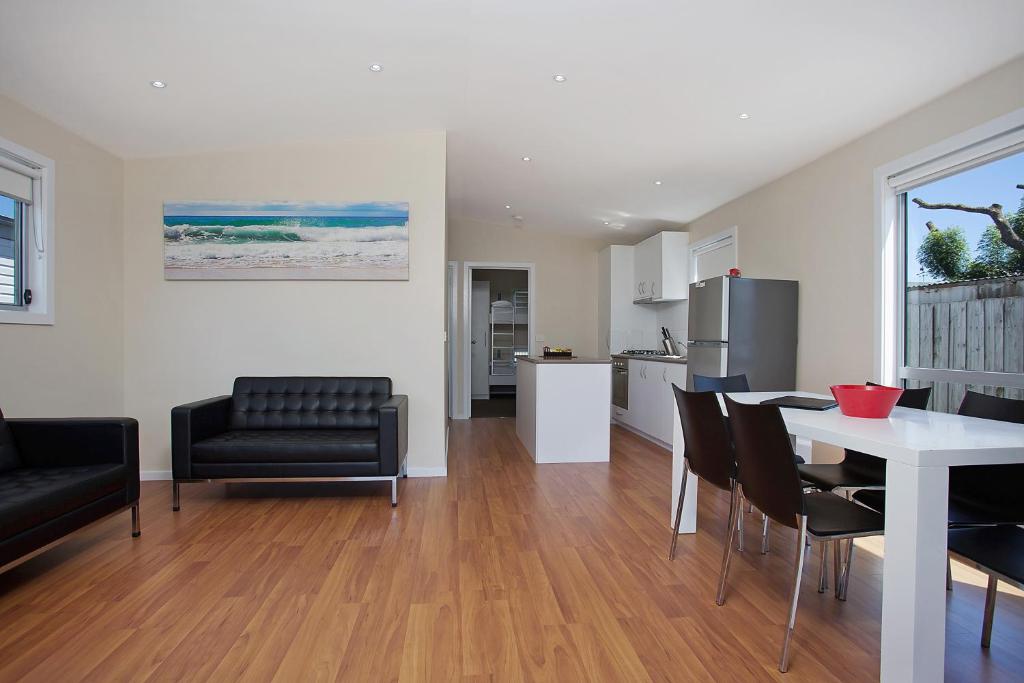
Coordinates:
(656, 359)
(577, 360)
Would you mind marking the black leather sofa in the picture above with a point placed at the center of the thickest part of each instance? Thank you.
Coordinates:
(59, 475)
(281, 428)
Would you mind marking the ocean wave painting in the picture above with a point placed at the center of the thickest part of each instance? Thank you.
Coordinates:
(223, 240)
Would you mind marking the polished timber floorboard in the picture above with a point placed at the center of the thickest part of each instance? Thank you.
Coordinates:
(503, 571)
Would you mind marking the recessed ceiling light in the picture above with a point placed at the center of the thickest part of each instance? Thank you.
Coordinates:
(527, 159)
(158, 84)
(376, 67)
(607, 222)
(517, 218)
(508, 206)
(559, 78)
(744, 116)
(657, 182)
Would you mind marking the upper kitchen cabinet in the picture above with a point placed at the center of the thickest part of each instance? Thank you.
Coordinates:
(620, 324)
(661, 268)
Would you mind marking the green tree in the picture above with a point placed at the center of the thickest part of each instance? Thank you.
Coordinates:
(944, 254)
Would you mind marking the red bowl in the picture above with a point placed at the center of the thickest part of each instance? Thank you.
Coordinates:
(860, 400)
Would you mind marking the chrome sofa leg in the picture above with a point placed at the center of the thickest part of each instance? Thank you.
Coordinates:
(949, 574)
(394, 492)
(990, 610)
(798, 572)
(823, 570)
(136, 526)
(679, 514)
(735, 510)
(764, 534)
(175, 496)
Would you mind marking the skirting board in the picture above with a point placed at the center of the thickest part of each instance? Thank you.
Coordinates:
(165, 475)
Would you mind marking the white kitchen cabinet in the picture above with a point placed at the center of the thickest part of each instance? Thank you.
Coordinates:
(620, 323)
(661, 268)
(651, 399)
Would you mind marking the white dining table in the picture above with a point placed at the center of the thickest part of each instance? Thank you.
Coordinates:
(919, 447)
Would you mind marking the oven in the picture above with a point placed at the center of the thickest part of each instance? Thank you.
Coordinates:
(620, 383)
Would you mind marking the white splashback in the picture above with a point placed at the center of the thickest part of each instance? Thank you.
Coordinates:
(673, 316)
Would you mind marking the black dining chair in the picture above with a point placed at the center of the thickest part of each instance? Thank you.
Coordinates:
(997, 551)
(979, 495)
(768, 477)
(860, 470)
(709, 455)
(720, 385)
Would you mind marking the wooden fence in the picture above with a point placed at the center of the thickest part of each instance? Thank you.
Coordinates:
(976, 325)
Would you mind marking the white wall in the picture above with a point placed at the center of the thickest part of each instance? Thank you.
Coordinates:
(73, 367)
(816, 225)
(187, 340)
(566, 280)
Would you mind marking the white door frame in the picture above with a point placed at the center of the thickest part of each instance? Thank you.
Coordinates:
(451, 332)
(467, 285)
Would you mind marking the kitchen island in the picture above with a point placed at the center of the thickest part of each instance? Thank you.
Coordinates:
(562, 408)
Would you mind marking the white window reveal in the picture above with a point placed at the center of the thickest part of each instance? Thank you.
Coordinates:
(26, 236)
(713, 256)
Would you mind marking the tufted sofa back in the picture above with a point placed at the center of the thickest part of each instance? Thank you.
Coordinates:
(308, 402)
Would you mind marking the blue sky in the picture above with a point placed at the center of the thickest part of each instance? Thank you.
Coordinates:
(225, 208)
(992, 183)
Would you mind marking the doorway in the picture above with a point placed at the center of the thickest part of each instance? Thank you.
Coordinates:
(497, 329)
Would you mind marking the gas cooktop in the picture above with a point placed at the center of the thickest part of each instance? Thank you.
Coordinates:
(644, 352)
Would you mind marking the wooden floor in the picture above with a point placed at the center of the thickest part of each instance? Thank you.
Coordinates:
(503, 571)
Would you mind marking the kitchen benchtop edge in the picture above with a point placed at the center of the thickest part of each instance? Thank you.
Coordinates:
(656, 359)
(565, 361)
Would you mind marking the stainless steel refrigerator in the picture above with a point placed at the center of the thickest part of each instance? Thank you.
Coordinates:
(743, 326)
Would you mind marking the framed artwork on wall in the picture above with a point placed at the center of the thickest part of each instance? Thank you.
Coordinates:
(235, 240)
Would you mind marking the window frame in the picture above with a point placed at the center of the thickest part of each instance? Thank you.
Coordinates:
(19, 258)
(974, 147)
(37, 236)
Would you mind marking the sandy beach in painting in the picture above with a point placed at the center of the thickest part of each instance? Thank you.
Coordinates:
(286, 240)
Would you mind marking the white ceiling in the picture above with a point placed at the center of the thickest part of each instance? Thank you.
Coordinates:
(654, 87)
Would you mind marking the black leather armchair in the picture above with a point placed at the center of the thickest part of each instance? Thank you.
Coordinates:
(59, 475)
(280, 428)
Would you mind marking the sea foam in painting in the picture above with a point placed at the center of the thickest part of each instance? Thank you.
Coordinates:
(286, 241)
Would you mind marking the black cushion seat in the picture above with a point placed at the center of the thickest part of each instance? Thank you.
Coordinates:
(31, 496)
(961, 512)
(830, 515)
(842, 474)
(999, 548)
(288, 446)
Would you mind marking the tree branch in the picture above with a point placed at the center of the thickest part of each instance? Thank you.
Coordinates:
(995, 212)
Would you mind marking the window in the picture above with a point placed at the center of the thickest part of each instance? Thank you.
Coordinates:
(951, 285)
(26, 233)
(713, 256)
(12, 256)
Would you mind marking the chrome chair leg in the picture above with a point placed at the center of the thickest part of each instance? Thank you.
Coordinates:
(949, 574)
(739, 524)
(394, 492)
(679, 513)
(175, 496)
(845, 584)
(136, 526)
(823, 570)
(764, 534)
(797, 576)
(735, 510)
(837, 564)
(990, 610)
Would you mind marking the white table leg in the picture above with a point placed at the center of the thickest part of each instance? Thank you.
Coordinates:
(914, 573)
(689, 523)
